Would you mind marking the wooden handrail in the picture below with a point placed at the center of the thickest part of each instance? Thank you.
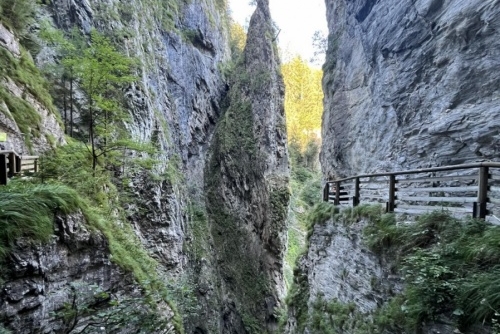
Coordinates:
(340, 193)
(423, 170)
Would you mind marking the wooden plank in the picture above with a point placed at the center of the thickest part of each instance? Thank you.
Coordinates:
(374, 181)
(433, 208)
(382, 198)
(439, 178)
(494, 177)
(30, 157)
(374, 187)
(438, 189)
(439, 199)
(494, 200)
(27, 167)
(496, 189)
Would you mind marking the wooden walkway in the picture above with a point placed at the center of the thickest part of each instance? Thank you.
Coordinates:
(12, 164)
(469, 189)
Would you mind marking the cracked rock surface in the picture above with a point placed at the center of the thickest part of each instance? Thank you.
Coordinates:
(410, 84)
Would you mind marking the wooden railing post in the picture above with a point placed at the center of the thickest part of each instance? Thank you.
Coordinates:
(3, 169)
(355, 199)
(326, 192)
(337, 193)
(482, 193)
(391, 204)
(12, 164)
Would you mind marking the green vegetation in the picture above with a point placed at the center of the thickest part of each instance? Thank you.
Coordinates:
(99, 201)
(27, 210)
(200, 232)
(17, 14)
(24, 73)
(450, 269)
(330, 317)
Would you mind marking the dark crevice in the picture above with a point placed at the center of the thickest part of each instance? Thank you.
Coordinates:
(365, 10)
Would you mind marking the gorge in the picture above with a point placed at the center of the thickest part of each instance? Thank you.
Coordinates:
(168, 183)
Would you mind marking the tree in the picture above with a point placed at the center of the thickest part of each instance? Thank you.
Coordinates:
(320, 44)
(102, 72)
(238, 39)
(303, 101)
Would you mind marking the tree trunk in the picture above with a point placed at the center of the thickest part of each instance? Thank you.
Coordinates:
(65, 105)
(71, 103)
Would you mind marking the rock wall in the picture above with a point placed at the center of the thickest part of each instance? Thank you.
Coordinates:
(202, 125)
(410, 84)
(338, 267)
(175, 103)
(247, 185)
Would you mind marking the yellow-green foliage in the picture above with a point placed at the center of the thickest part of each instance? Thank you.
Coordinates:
(303, 101)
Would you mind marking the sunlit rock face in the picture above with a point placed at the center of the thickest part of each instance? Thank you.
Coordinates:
(410, 84)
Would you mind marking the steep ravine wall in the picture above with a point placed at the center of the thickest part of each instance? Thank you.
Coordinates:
(247, 185)
(410, 84)
(176, 103)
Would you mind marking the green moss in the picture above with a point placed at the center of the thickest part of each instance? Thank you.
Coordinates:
(23, 113)
(298, 297)
(200, 232)
(24, 72)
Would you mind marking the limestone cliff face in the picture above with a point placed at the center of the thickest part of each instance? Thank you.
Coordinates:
(174, 104)
(212, 211)
(410, 84)
(247, 185)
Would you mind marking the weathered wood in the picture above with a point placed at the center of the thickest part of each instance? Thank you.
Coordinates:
(392, 193)
(495, 189)
(27, 162)
(381, 198)
(434, 208)
(427, 170)
(3, 169)
(494, 177)
(482, 194)
(439, 199)
(12, 164)
(374, 182)
(437, 179)
(18, 164)
(494, 200)
(355, 199)
(374, 186)
(30, 167)
(439, 189)
(326, 192)
(337, 193)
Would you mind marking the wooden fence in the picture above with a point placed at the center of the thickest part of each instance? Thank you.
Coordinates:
(469, 189)
(12, 164)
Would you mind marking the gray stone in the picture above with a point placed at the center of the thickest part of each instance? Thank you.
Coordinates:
(410, 78)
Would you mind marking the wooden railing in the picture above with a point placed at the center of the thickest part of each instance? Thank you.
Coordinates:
(461, 189)
(12, 164)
